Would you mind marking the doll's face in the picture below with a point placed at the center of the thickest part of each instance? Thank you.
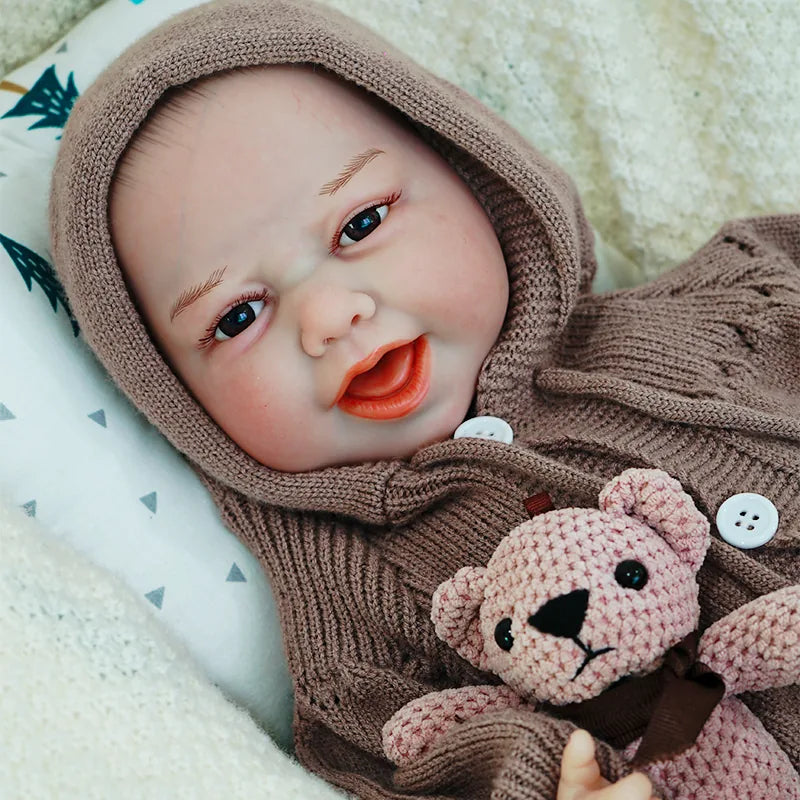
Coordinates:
(321, 280)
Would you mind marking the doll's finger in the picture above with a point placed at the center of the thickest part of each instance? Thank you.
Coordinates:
(579, 769)
(635, 786)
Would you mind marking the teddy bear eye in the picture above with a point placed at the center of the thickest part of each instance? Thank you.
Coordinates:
(502, 634)
(631, 575)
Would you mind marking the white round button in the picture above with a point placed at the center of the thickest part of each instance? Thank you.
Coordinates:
(485, 428)
(747, 520)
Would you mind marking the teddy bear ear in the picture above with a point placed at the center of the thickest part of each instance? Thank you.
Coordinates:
(455, 612)
(657, 499)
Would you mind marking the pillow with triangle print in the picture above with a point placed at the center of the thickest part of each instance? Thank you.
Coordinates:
(73, 452)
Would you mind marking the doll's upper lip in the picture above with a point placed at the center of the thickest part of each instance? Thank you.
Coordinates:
(366, 364)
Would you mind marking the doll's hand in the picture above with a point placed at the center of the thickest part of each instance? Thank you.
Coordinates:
(581, 778)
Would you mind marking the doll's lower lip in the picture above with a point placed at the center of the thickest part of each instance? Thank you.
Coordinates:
(408, 391)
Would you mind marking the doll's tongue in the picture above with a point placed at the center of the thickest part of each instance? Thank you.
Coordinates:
(388, 376)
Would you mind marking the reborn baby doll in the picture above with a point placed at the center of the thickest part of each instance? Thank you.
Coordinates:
(308, 294)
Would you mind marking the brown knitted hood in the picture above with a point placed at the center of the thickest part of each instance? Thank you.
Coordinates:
(532, 205)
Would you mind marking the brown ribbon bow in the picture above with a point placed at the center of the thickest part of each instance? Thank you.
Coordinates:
(667, 708)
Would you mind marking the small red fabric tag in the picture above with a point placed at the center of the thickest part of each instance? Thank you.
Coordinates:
(538, 503)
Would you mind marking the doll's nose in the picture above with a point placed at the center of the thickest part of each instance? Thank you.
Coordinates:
(562, 615)
(329, 314)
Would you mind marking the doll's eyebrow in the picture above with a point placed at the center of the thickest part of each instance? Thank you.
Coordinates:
(194, 293)
(350, 168)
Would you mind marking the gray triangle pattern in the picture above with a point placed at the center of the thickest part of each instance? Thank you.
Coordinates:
(150, 500)
(99, 417)
(5, 413)
(62, 49)
(29, 508)
(156, 597)
(235, 575)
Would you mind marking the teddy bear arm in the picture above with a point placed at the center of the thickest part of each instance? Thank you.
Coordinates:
(412, 729)
(756, 646)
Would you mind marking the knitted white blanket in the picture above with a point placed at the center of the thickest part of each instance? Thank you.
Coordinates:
(96, 702)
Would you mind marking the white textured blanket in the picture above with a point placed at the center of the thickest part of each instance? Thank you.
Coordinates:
(96, 702)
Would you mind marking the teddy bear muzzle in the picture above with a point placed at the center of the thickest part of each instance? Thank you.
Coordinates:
(563, 616)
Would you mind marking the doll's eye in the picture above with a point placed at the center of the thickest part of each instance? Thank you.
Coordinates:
(502, 634)
(631, 575)
(363, 224)
(238, 319)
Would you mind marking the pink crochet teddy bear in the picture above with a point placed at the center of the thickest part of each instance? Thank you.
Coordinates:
(592, 615)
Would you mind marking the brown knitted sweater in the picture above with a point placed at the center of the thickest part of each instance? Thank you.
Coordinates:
(697, 373)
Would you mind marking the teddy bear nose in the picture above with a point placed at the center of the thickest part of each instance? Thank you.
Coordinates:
(562, 615)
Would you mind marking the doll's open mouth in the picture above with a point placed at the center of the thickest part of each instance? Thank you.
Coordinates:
(390, 383)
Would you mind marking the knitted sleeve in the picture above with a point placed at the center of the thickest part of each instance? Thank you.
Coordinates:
(509, 755)
(504, 756)
(712, 343)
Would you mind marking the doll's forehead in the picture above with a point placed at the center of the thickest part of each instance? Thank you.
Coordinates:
(292, 91)
(288, 113)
